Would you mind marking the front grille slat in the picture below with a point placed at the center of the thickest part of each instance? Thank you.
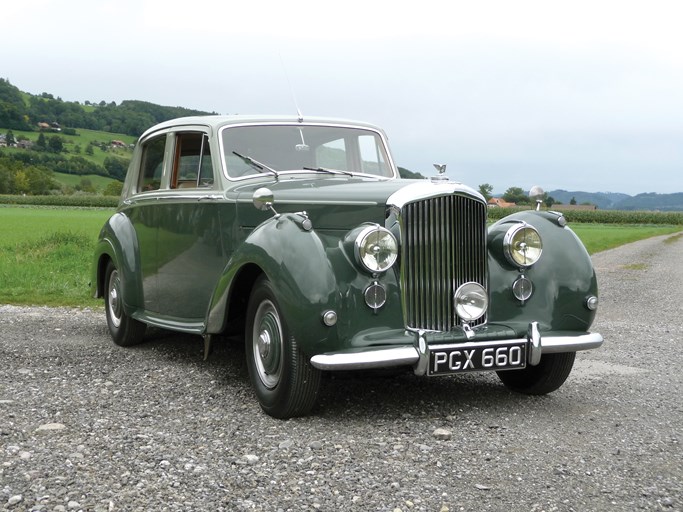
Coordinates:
(444, 247)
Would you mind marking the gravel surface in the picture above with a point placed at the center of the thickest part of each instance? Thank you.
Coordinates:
(86, 425)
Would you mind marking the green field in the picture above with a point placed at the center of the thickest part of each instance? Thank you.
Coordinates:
(600, 237)
(45, 253)
(71, 180)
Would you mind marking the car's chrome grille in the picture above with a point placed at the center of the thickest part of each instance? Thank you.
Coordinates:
(444, 246)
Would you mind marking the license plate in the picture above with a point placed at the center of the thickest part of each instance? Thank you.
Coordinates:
(475, 357)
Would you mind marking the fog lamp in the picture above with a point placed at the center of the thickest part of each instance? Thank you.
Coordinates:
(471, 301)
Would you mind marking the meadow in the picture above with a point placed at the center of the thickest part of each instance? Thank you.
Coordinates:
(45, 253)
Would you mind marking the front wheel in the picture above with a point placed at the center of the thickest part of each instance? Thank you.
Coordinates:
(284, 381)
(124, 330)
(543, 378)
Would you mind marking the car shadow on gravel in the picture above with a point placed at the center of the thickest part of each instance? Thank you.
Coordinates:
(364, 394)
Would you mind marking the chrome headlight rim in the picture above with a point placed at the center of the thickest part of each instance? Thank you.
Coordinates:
(516, 250)
(471, 301)
(366, 249)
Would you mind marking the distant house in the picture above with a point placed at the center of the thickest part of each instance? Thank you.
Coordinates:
(43, 126)
(24, 144)
(3, 141)
(500, 203)
(118, 144)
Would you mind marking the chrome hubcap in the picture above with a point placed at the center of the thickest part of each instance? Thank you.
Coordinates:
(267, 344)
(114, 301)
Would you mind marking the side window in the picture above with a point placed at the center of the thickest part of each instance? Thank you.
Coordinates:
(371, 155)
(192, 165)
(152, 164)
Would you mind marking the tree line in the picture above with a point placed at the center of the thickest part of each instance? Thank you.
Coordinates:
(23, 111)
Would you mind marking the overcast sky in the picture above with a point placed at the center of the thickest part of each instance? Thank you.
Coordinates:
(580, 95)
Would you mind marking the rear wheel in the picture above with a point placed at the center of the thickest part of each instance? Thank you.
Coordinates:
(543, 378)
(284, 381)
(124, 330)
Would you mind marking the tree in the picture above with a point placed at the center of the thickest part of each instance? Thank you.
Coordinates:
(9, 138)
(41, 142)
(486, 190)
(516, 195)
(89, 150)
(113, 189)
(549, 201)
(573, 201)
(116, 167)
(55, 144)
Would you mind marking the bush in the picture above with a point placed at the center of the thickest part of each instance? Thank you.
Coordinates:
(605, 216)
(86, 201)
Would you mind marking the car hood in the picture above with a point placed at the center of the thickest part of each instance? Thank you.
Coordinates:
(341, 203)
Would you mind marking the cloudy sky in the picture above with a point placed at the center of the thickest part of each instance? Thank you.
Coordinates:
(580, 95)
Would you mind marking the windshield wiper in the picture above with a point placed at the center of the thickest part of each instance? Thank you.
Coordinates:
(256, 164)
(329, 171)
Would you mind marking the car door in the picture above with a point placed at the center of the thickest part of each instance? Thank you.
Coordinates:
(190, 255)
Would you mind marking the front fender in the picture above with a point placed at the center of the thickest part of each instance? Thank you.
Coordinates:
(118, 241)
(296, 262)
(563, 278)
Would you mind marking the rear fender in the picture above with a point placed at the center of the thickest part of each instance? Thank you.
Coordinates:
(118, 232)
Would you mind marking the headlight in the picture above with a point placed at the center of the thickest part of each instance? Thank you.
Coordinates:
(522, 245)
(376, 248)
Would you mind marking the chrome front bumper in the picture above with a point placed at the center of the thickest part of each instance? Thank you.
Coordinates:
(417, 356)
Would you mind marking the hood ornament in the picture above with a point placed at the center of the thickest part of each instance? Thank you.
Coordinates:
(441, 168)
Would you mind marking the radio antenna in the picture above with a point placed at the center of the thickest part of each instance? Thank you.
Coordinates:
(291, 90)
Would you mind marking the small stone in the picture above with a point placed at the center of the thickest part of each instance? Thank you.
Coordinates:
(286, 445)
(444, 508)
(251, 459)
(315, 445)
(15, 500)
(483, 487)
(442, 434)
(73, 505)
(48, 427)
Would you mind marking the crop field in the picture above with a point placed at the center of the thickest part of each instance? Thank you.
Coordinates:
(45, 253)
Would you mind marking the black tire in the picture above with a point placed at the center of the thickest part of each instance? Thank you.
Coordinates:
(124, 330)
(284, 381)
(543, 378)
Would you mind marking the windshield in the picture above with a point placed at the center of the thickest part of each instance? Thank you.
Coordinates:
(294, 148)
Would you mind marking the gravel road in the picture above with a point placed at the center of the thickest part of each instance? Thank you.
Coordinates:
(86, 425)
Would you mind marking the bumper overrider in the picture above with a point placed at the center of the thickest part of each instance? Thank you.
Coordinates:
(430, 359)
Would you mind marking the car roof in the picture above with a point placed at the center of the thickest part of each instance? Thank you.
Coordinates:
(218, 121)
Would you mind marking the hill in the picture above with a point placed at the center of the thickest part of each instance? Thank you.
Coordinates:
(616, 201)
(23, 111)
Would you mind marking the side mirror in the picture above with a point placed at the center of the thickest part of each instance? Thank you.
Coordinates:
(263, 199)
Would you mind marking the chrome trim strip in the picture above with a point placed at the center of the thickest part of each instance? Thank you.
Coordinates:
(386, 357)
(317, 202)
(424, 189)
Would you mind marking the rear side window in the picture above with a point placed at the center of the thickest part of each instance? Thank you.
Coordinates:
(152, 164)
(192, 165)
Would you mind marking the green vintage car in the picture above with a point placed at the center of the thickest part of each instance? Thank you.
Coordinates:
(299, 234)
